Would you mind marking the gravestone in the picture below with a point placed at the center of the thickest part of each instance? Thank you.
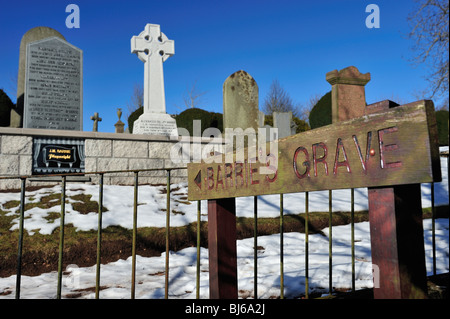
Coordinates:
(283, 122)
(240, 101)
(153, 48)
(53, 85)
(34, 34)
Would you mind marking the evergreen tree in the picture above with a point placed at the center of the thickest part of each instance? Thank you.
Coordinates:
(5, 108)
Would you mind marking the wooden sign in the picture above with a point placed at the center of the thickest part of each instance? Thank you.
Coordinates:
(392, 148)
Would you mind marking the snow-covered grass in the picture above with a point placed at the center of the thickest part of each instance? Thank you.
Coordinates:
(116, 276)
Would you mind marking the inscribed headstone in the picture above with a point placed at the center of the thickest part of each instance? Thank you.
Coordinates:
(53, 85)
(31, 35)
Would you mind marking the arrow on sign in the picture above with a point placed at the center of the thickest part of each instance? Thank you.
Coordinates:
(198, 179)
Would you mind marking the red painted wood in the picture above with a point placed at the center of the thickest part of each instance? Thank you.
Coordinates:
(396, 233)
(222, 248)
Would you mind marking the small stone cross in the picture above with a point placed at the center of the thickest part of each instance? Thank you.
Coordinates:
(153, 48)
(96, 119)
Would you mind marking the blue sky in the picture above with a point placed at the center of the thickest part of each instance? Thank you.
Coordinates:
(295, 42)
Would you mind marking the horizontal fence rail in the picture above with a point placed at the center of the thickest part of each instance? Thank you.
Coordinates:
(168, 171)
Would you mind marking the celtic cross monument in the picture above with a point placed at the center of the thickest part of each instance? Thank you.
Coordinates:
(153, 48)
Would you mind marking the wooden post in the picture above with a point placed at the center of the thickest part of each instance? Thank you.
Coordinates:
(396, 232)
(395, 213)
(222, 248)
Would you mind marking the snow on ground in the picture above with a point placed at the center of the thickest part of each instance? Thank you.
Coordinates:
(116, 276)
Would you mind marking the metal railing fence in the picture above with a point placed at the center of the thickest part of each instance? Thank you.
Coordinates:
(23, 180)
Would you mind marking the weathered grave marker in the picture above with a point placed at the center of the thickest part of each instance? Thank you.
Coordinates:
(96, 119)
(153, 48)
(240, 101)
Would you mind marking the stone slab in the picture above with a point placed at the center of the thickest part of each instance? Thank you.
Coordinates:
(53, 85)
(13, 144)
(282, 121)
(32, 35)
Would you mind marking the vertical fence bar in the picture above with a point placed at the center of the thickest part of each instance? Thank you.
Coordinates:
(352, 217)
(281, 248)
(330, 242)
(433, 228)
(61, 236)
(166, 290)
(306, 245)
(20, 244)
(99, 236)
(197, 292)
(255, 247)
(133, 247)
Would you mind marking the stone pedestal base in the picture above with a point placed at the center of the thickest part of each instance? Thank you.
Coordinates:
(155, 124)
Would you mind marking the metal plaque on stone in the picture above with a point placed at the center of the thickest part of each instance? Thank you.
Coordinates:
(53, 85)
(58, 156)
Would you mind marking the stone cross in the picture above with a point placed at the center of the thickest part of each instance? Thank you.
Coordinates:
(153, 48)
(96, 119)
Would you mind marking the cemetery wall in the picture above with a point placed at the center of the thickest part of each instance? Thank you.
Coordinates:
(103, 152)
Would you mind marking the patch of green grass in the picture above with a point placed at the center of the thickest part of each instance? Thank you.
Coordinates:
(45, 202)
(85, 205)
(11, 204)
